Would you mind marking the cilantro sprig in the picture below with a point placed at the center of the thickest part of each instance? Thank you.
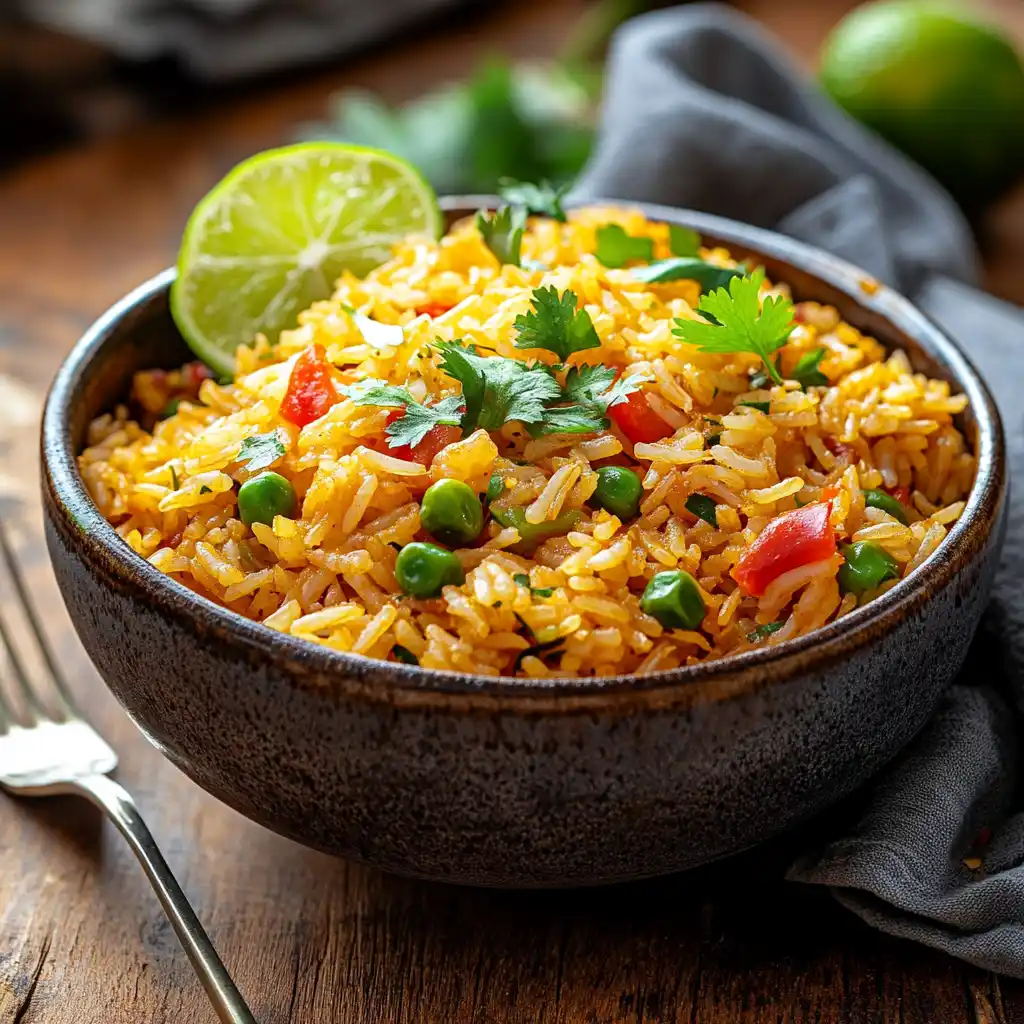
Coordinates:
(556, 324)
(502, 232)
(743, 323)
(543, 200)
(260, 451)
(496, 390)
(418, 419)
(615, 247)
(806, 371)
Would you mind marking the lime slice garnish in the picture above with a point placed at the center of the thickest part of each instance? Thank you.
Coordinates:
(274, 236)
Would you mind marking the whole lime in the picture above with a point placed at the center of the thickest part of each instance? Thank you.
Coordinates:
(943, 87)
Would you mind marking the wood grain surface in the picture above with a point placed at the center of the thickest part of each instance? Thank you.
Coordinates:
(310, 939)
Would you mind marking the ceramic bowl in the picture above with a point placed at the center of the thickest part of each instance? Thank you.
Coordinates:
(514, 782)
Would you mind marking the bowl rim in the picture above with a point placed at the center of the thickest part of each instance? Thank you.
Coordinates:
(66, 497)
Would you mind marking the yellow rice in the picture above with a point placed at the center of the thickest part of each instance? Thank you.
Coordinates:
(327, 576)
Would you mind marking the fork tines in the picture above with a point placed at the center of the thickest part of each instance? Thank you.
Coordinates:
(16, 686)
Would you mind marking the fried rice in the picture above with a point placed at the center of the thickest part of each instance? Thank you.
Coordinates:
(328, 574)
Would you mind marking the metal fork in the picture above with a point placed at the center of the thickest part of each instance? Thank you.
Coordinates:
(47, 748)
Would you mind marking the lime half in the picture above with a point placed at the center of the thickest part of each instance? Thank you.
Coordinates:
(276, 233)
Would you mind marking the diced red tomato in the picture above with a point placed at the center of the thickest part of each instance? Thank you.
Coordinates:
(432, 309)
(840, 450)
(193, 374)
(638, 421)
(310, 388)
(901, 494)
(433, 441)
(795, 538)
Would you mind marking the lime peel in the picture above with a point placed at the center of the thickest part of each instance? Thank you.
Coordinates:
(277, 232)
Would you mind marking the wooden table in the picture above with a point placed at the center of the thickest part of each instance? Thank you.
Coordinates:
(311, 939)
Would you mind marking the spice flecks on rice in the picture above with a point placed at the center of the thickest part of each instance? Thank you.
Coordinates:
(750, 448)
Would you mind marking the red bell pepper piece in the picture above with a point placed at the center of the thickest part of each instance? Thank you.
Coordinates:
(638, 421)
(433, 441)
(901, 494)
(795, 538)
(432, 309)
(311, 389)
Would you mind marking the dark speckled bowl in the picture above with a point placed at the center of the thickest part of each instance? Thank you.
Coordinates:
(512, 782)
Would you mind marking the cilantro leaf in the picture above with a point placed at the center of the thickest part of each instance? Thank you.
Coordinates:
(555, 324)
(683, 241)
(542, 200)
(615, 248)
(569, 419)
(584, 383)
(744, 324)
(592, 390)
(371, 391)
(703, 507)
(261, 450)
(496, 390)
(403, 654)
(503, 232)
(759, 406)
(418, 420)
(806, 370)
(685, 268)
(762, 631)
(524, 581)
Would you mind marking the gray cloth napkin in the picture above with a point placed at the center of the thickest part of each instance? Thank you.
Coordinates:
(703, 111)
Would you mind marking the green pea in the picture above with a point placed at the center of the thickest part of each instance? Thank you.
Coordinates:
(531, 534)
(618, 491)
(423, 569)
(264, 496)
(495, 487)
(673, 598)
(867, 566)
(887, 503)
(451, 512)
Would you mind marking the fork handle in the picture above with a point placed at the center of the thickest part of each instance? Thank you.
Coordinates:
(117, 802)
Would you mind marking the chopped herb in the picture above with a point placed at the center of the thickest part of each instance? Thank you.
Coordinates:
(205, 490)
(806, 371)
(703, 507)
(542, 200)
(615, 248)
(555, 324)
(404, 654)
(224, 379)
(261, 450)
(503, 232)
(524, 581)
(799, 503)
(593, 390)
(762, 631)
(170, 408)
(713, 439)
(743, 323)
(418, 420)
(497, 604)
(683, 241)
(760, 406)
(550, 647)
(496, 390)
(495, 487)
(175, 483)
(685, 268)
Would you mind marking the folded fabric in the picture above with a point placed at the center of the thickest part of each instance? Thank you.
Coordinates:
(703, 111)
